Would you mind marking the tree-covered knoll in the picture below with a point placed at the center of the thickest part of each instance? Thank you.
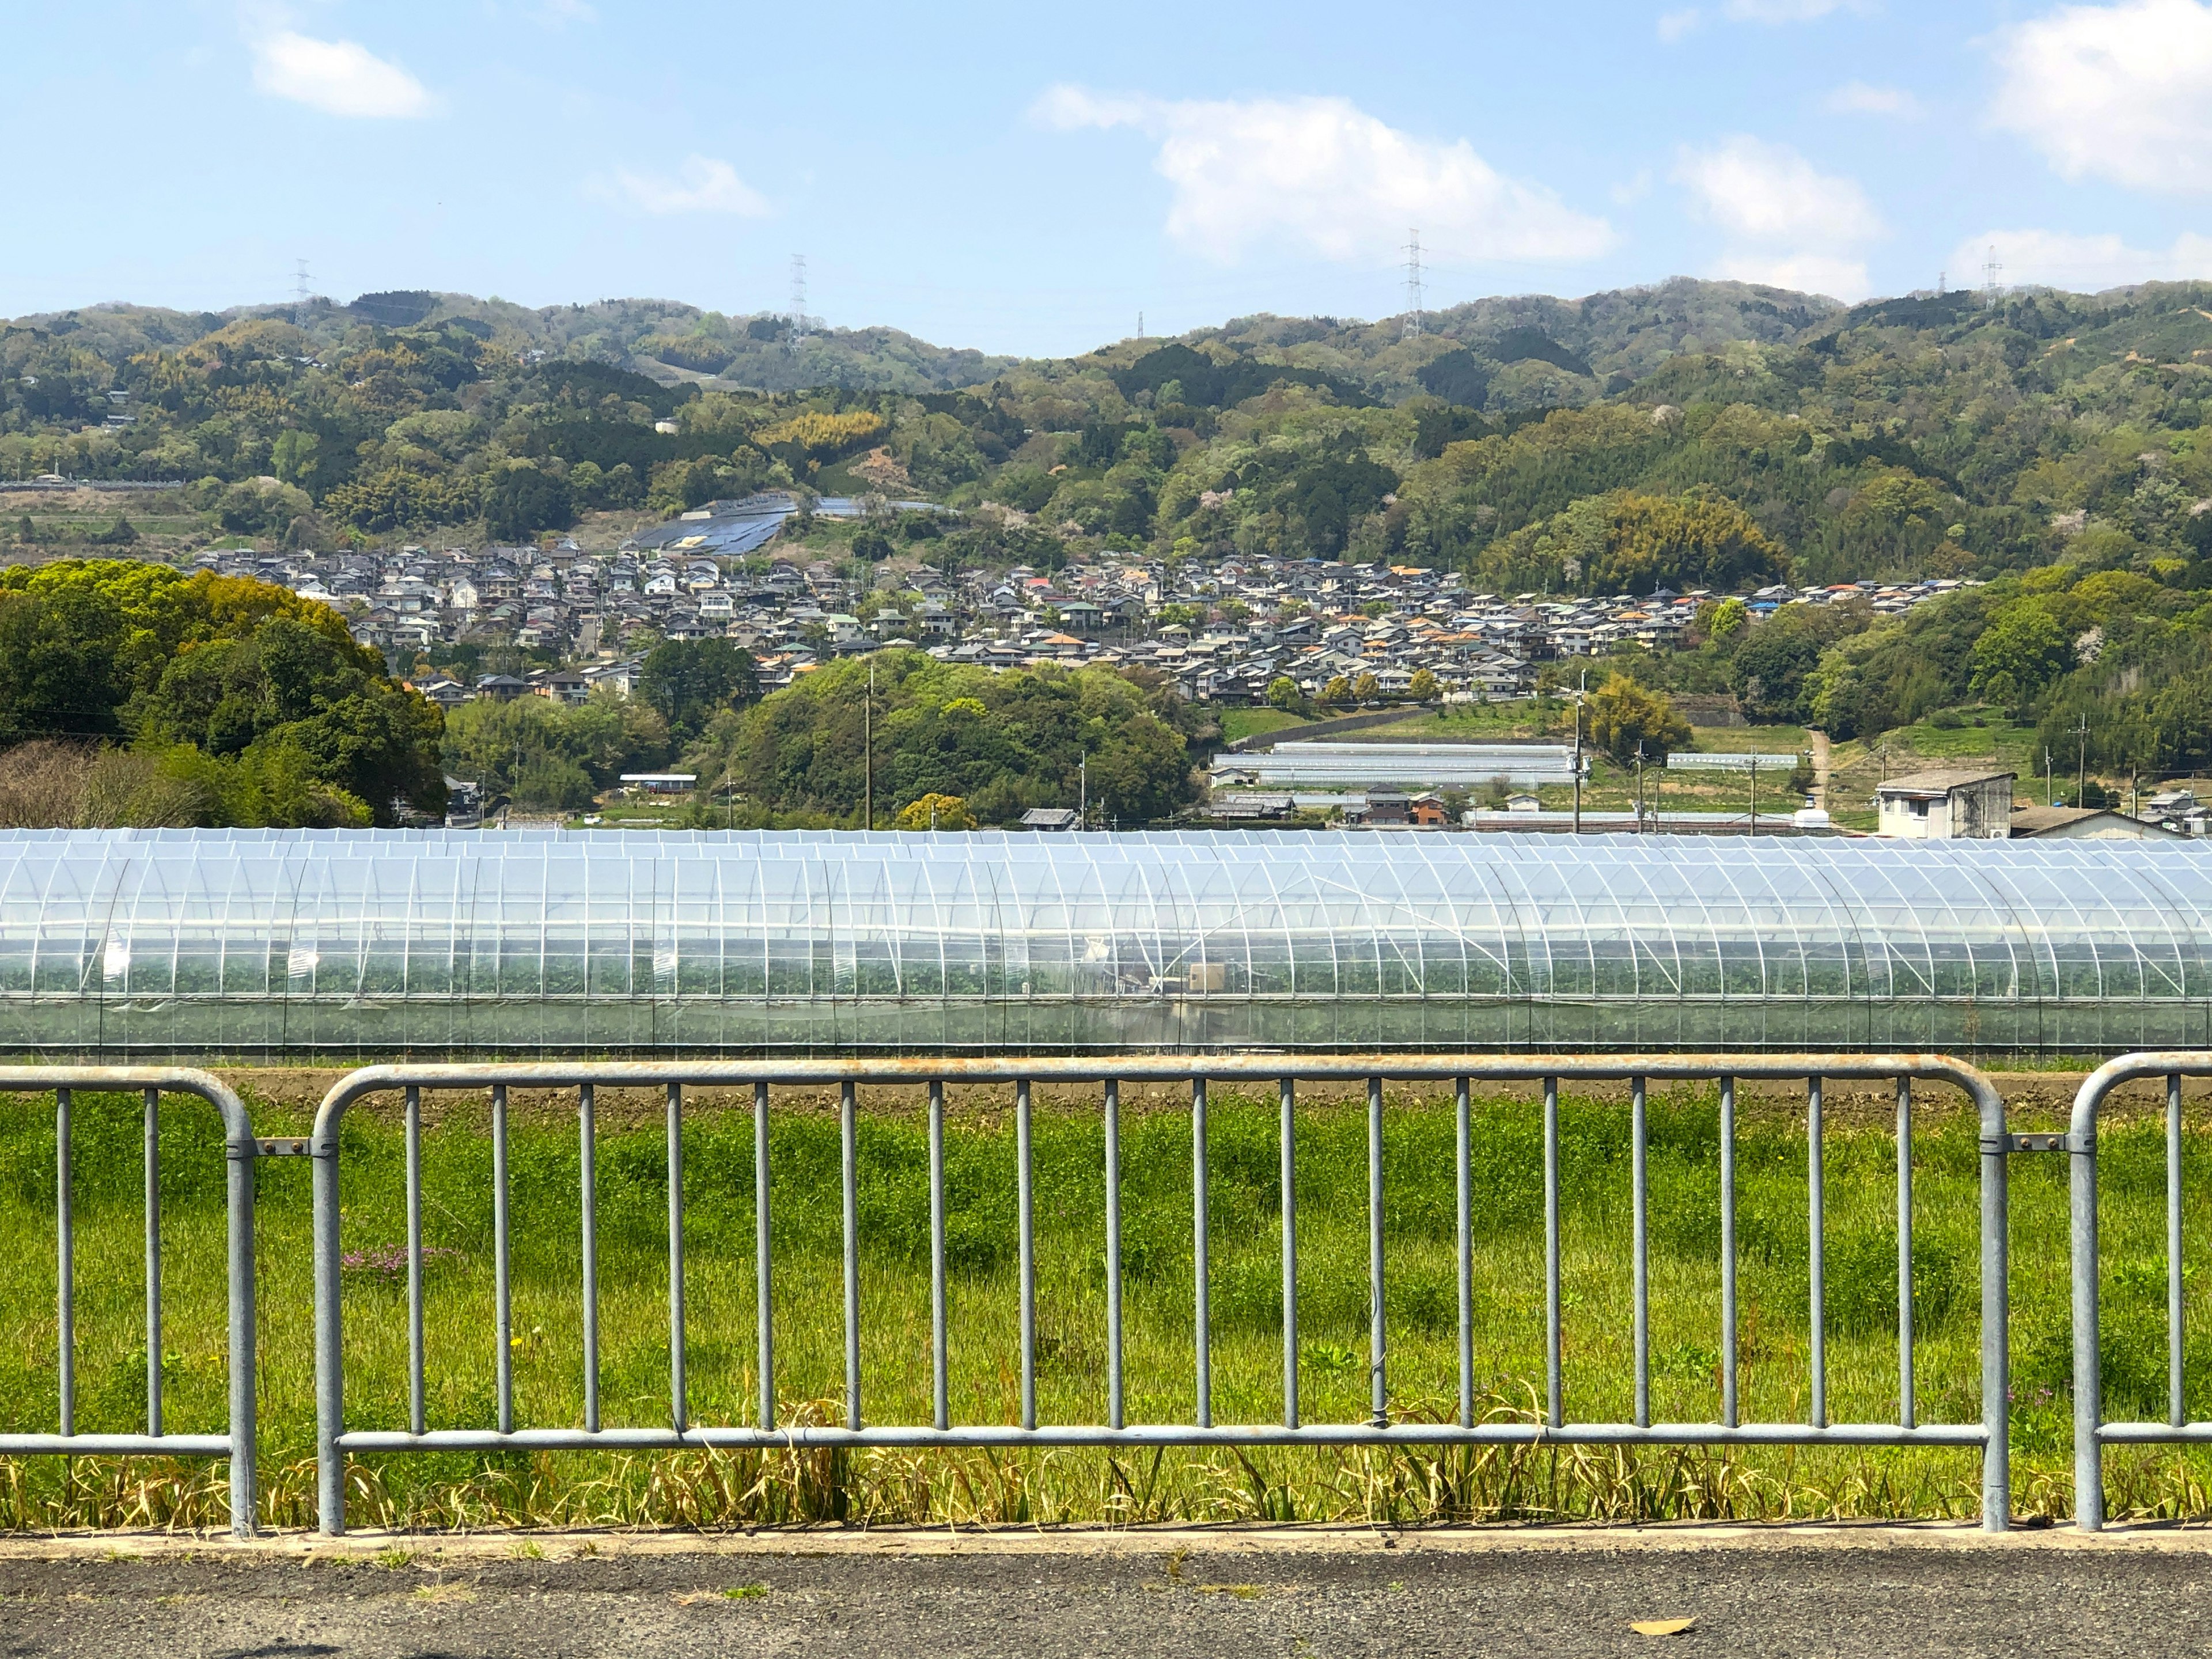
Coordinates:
(254, 704)
(999, 744)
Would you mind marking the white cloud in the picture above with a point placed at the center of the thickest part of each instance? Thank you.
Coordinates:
(1674, 25)
(2057, 258)
(700, 184)
(1321, 175)
(1783, 220)
(2119, 91)
(1858, 98)
(1784, 11)
(339, 77)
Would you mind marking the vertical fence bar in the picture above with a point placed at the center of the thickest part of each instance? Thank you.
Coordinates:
(1554, 1393)
(2088, 1370)
(763, 1284)
(1997, 1317)
(848, 1155)
(239, 1153)
(1816, 1212)
(940, 1386)
(1464, 1175)
(502, 1263)
(1907, 1406)
(588, 1144)
(1026, 1206)
(65, 1262)
(2173, 1333)
(417, 1408)
(1378, 1377)
(679, 1404)
(1640, 1176)
(1729, 1400)
(1200, 1304)
(153, 1261)
(1287, 1138)
(1113, 1253)
(329, 1338)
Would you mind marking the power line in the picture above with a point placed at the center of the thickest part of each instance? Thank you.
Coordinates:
(1413, 251)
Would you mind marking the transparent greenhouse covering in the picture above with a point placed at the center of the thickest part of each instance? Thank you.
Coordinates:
(206, 942)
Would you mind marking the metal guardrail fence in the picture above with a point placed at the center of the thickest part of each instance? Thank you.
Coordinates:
(1284, 1072)
(237, 1444)
(2092, 1434)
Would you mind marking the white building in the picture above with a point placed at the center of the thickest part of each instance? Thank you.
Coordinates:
(1946, 805)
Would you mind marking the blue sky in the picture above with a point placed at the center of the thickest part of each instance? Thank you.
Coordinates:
(1029, 179)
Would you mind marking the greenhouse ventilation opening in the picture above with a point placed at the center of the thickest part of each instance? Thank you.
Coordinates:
(243, 943)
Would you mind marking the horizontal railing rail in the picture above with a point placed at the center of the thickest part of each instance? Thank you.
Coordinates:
(1284, 1073)
(237, 1442)
(2092, 1433)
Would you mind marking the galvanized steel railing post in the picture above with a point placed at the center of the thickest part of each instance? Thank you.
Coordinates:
(1641, 1248)
(153, 1173)
(502, 1263)
(64, 1263)
(417, 1409)
(1907, 1406)
(1377, 1376)
(588, 1198)
(2089, 1370)
(1114, 1398)
(763, 1281)
(1025, 1207)
(940, 1381)
(1288, 1137)
(1555, 1404)
(1200, 1305)
(1461, 1127)
(240, 1155)
(1996, 1312)
(1729, 1402)
(848, 1170)
(679, 1404)
(330, 1356)
(1816, 1200)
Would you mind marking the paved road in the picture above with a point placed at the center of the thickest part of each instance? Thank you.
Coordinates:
(1206, 1598)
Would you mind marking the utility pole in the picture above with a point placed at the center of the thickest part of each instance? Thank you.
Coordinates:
(1413, 251)
(2050, 794)
(868, 746)
(1082, 798)
(729, 799)
(1640, 786)
(2081, 761)
(1578, 751)
(1754, 794)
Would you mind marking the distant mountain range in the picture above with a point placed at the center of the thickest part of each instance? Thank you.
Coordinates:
(1606, 339)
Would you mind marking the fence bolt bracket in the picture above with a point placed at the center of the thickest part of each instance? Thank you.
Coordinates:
(280, 1145)
(2038, 1143)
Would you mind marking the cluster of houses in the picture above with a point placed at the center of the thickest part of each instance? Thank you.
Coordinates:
(1225, 632)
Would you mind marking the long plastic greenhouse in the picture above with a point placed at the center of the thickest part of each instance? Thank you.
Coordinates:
(202, 944)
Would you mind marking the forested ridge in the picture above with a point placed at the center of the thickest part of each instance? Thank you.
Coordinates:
(1692, 434)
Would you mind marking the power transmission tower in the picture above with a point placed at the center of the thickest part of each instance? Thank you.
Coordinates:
(798, 335)
(299, 281)
(1990, 272)
(1413, 251)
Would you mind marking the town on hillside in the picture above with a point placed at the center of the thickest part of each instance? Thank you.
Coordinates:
(1222, 631)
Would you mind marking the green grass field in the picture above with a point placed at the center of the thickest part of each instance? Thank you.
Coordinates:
(1071, 1486)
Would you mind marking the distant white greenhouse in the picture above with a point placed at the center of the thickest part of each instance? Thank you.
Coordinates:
(1418, 765)
(340, 943)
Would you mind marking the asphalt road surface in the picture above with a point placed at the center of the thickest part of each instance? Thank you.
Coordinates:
(1894, 1591)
